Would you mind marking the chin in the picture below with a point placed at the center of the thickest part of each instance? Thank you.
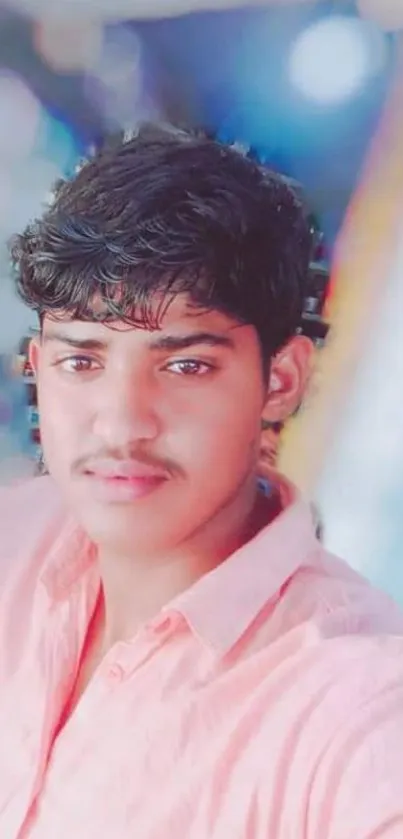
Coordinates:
(125, 532)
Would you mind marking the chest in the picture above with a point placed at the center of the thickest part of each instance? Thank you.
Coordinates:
(89, 660)
(162, 743)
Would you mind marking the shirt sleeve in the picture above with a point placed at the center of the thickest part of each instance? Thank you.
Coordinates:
(358, 792)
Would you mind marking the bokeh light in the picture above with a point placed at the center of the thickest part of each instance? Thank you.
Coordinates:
(26, 182)
(386, 13)
(335, 57)
(35, 150)
(68, 47)
(6, 195)
(115, 82)
(20, 114)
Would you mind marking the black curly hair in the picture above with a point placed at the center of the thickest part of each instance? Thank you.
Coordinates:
(165, 213)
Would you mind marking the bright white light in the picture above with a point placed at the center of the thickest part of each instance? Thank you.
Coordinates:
(332, 59)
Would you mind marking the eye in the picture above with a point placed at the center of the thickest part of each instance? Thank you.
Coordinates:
(189, 367)
(78, 364)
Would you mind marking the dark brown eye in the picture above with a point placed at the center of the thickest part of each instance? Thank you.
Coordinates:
(78, 364)
(189, 367)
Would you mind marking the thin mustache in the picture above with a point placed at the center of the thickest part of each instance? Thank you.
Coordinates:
(89, 463)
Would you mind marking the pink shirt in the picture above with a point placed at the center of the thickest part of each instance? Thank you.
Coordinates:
(264, 703)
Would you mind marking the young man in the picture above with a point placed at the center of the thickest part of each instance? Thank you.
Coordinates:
(178, 655)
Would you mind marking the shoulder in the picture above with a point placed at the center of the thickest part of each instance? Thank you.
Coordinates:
(337, 734)
(336, 601)
(357, 786)
(353, 665)
(28, 513)
(29, 502)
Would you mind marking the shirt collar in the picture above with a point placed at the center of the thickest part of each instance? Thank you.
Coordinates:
(221, 606)
(69, 557)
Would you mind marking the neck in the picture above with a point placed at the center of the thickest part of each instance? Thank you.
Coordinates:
(135, 589)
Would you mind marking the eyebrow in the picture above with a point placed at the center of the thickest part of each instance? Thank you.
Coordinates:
(164, 343)
(77, 343)
(174, 343)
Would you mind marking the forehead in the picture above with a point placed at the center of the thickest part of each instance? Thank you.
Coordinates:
(180, 318)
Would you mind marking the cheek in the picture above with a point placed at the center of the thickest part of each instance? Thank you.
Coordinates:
(62, 420)
(219, 433)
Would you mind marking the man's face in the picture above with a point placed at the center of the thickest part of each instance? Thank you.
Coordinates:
(150, 434)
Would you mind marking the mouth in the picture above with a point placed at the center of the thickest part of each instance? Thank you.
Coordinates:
(124, 483)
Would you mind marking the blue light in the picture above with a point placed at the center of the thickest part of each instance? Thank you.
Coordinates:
(334, 58)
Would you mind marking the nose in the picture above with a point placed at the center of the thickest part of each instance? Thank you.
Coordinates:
(126, 413)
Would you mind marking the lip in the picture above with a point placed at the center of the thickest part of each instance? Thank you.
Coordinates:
(129, 469)
(118, 490)
(124, 482)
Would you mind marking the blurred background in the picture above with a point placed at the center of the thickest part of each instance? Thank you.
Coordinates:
(312, 89)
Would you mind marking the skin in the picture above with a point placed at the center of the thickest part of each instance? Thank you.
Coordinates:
(188, 400)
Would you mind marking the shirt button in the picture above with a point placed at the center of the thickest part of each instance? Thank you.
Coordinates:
(116, 673)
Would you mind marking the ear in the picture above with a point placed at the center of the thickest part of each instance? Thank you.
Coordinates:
(33, 354)
(290, 373)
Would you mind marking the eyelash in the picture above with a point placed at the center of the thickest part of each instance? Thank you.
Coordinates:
(208, 368)
(62, 363)
(88, 361)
